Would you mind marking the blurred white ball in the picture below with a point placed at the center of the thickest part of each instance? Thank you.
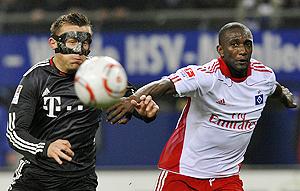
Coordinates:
(100, 82)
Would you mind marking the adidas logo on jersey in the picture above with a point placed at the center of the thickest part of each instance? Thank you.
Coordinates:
(221, 101)
(46, 92)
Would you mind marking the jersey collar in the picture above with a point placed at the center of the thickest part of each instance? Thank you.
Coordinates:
(57, 70)
(226, 72)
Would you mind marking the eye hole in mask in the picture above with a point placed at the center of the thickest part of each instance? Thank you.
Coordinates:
(73, 42)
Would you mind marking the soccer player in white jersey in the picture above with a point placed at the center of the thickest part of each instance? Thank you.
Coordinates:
(225, 100)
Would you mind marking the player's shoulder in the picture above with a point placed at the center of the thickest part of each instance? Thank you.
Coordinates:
(210, 67)
(260, 72)
(259, 67)
(207, 69)
(37, 68)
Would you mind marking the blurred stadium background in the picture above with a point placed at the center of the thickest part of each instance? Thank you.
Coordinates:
(152, 38)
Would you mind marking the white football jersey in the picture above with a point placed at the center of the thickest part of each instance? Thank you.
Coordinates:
(216, 125)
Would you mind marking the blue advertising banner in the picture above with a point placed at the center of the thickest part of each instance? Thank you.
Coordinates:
(148, 56)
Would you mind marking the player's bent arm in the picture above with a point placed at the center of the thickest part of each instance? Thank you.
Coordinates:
(147, 109)
(156, 89)
(284, 95)
(21, 114)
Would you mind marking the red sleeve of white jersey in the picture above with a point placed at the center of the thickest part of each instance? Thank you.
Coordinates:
(189, 81)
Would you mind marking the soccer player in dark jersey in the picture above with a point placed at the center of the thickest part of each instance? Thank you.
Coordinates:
(48, 124)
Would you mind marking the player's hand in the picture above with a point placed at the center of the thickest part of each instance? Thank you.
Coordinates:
(120, 112)
(60, 149)
(147, 107)
(287, 98)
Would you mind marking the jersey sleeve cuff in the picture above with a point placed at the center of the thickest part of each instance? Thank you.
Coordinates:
(44, 154)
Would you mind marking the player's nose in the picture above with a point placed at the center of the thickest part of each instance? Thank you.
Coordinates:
(242, 50)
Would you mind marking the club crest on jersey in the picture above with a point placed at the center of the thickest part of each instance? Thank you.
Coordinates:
(188, 73)
(259, 99)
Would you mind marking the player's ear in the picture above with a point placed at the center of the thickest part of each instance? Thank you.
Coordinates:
(220, 50)
(52, 43)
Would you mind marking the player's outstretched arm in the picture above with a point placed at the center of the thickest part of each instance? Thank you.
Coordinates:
(146, 110)
(285, 96)
(155, 89)
(147, 107)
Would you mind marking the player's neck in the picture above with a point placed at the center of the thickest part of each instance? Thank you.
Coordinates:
(58, 64)
(237, 74)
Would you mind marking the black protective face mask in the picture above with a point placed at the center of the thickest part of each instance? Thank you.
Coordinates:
(73, 42)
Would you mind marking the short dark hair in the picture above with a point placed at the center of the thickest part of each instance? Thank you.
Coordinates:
(75, 18)
(230, 26)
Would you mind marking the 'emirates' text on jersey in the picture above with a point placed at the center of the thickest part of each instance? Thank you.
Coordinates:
(216, 125)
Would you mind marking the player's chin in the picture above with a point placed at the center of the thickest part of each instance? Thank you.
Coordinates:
(75, 65)
(77, 61)
(241, 66)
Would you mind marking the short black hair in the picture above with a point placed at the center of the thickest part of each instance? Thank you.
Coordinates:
(230, 26)
(75, 18)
